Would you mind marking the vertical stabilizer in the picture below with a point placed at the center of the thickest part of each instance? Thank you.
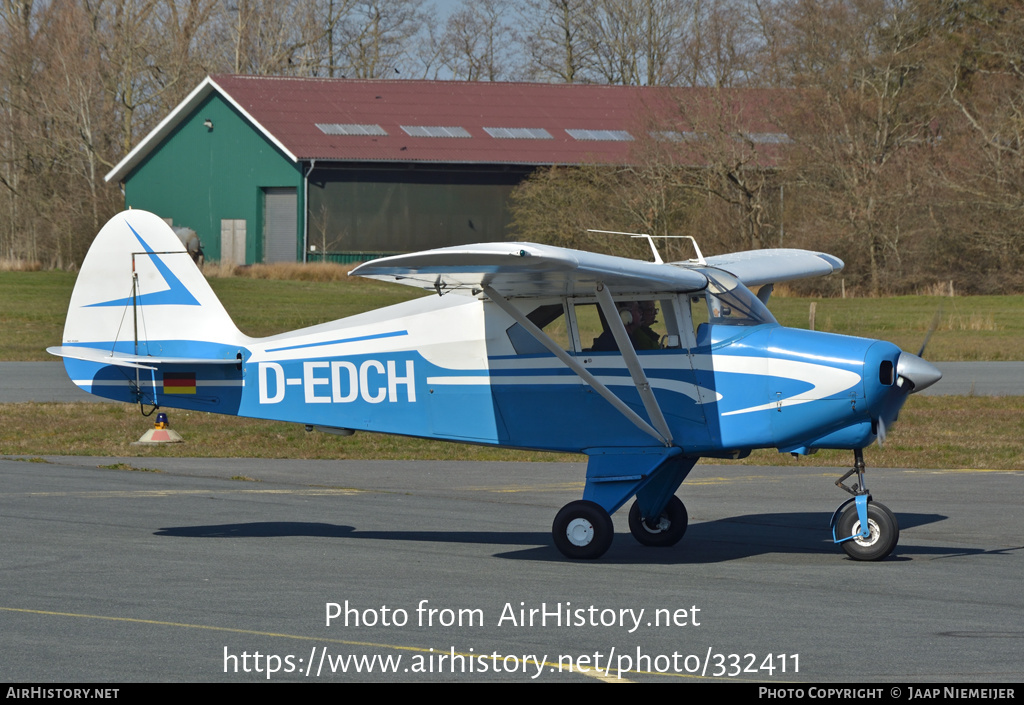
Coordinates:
(139, 293)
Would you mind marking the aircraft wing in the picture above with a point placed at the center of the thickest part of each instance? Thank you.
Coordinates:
(525, 269)
(756, 267)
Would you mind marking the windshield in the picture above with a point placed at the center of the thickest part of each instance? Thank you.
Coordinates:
(732, 304)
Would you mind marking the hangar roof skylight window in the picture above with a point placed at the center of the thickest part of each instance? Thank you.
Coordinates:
(518, 133)
(755, 137)
(769, 138)
(428, 131)
(340, 129)
(601, 135)
(677, 136)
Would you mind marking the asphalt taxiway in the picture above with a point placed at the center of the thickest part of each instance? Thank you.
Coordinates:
(161, 569)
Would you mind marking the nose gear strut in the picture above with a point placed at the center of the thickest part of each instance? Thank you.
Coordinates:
(866, 530)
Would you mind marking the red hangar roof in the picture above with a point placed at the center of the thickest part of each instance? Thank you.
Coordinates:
(458, 122)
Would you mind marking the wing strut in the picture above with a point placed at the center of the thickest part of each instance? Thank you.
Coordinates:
(542, 338)
(636, 370)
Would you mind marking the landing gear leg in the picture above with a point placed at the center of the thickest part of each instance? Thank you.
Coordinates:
(865, 529)
(583, 529)
(858, 467)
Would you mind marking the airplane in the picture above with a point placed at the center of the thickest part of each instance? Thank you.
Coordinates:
(518, 345)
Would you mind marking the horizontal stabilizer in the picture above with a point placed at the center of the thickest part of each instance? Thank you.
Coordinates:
(525, 269)
(141, 362)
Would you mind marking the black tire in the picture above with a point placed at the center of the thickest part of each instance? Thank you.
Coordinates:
(667, 531)
(885, 532)
(582, 529)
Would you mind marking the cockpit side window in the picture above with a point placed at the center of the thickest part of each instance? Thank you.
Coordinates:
(651, 324)
(551, 319)
(699, 314)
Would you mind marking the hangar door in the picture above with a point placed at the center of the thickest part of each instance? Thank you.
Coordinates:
(280, 224)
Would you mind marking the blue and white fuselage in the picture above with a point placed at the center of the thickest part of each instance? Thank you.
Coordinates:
(497, 355)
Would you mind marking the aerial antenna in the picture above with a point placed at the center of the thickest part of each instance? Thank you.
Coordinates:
(650, 241)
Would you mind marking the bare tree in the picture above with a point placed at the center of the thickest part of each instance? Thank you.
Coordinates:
(556, 40)
(558, 205)
(721, 44)
(271, 37)
(477, 42)
(704, 144)
(375, 38)
(643, 42)
(982, 79)
(75, 103)
(864, 124)
(767, 50)
(17, 62)
(324, 51)
(636, 42)
(56, 139)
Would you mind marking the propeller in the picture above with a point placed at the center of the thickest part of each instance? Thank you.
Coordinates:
(931, 329)
(913, 372)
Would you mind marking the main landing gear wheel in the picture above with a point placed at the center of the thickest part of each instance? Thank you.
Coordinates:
(666, 530)
(582, 529)
(885, 532)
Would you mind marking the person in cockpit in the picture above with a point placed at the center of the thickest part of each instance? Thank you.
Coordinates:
(646, 338)
(637, 317)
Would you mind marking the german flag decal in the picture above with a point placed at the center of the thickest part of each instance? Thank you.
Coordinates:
(179, 382)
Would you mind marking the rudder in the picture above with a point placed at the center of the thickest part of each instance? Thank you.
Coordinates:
(140, 293)
(142, 313)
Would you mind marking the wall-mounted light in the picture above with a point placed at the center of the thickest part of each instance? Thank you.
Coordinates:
(208, 124)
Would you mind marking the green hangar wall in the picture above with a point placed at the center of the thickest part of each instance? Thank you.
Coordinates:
(217, 175)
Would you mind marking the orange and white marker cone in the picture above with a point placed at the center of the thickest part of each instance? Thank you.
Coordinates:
(161, 432)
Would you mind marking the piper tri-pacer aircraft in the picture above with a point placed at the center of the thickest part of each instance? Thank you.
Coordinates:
(518, 345)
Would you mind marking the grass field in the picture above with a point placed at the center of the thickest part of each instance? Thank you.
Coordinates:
(933, 432)
(971, 328)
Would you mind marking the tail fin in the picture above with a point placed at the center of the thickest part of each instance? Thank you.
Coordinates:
(138, 283)
(140, 302)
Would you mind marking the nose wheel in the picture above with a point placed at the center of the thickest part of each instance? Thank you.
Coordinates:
(866, 530)
(883, 532)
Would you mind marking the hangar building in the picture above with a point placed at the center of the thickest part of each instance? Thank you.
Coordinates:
(270, 169)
